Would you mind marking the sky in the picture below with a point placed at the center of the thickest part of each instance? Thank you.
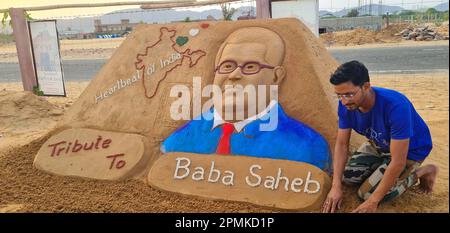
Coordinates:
(330, 5)
(335, 5)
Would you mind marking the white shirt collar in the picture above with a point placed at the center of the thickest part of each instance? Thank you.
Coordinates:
(241, 124)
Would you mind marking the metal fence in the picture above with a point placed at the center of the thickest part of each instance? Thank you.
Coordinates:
(418, 18)
(348, 23)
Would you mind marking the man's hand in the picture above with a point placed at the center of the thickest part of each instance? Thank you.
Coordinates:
(334, 197)
(333, 200)
(368, 206)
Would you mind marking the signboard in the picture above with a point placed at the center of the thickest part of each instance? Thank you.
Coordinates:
(46, 56)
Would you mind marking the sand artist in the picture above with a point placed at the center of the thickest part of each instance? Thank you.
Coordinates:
(399, 141)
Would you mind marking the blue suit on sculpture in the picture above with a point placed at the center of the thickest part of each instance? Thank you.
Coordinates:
(290, 140)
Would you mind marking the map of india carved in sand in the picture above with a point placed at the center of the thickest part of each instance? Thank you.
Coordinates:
(154, 70)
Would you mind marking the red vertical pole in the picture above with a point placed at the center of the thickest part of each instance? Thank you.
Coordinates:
(262, 9)
(23, 47)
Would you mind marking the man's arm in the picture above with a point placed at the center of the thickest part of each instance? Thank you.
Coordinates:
(334, 198)
(399, 152)
(340, 156)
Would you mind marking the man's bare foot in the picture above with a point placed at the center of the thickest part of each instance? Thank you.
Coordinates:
(427, 176)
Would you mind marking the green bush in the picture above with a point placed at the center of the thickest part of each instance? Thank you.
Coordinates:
(353, 13)
(37, 91)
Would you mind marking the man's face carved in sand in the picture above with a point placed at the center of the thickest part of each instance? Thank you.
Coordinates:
(244, 51)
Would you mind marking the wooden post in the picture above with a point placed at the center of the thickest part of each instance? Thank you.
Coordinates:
(263, 9)
(23, 47)
(387, 19)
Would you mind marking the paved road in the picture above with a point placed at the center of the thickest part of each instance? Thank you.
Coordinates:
(398, 59)
(379, 60)
(73, 70)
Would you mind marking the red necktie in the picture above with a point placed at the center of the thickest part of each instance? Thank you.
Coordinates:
(224, 143)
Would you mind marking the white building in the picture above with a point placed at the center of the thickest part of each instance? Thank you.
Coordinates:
(305, 10)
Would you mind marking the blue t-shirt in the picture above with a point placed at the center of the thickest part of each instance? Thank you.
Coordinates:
(392, 117)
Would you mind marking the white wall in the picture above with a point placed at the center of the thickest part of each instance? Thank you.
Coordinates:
(305, 10)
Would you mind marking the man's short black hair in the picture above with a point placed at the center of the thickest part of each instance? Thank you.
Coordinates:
(353, 71)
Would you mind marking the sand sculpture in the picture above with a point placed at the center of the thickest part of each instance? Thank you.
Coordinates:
(141, 117)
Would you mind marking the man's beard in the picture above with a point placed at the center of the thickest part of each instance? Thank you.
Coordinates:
(351, 107)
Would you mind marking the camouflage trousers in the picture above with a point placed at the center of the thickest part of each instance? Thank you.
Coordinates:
(367, 166)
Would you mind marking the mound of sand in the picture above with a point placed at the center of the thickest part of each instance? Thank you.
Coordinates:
(23, 113)
(362, 36)
(387, 34)
(443, 29)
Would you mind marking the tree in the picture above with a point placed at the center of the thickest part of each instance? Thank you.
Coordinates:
(6, 16)
(227, 11)
(352, 13)
(431, 11)
(187, 19)
(407, 12)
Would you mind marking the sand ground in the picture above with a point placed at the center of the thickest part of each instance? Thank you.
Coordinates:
(25, 119)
